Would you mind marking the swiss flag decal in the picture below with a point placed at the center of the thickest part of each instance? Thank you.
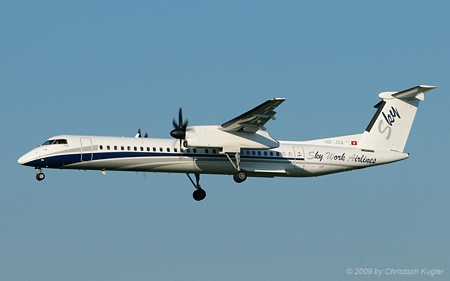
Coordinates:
(354, 143)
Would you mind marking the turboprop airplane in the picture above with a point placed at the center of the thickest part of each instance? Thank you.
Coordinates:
(239, 147)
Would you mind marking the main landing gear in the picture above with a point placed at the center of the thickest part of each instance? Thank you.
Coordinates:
(240, 174)
(39, 174)
(199, 194)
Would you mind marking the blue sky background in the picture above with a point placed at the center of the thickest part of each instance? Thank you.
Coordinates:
(107, 68)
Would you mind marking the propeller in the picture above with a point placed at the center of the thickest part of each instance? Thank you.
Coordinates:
(179, 131)
(138, 135)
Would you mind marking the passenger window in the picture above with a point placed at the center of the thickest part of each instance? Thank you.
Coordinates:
(160, 149)
(135, 148)
(142, 149)
(115, 147)
(253, 152)
(271, 153)
(259, 153)
(265, 153)
(154, 149)
(129, 148)
(122, 148)
(194, 150)
(206, 150)
(214, 151)
(101, 147)
(168, 149)
(278, 154)
(148, 148)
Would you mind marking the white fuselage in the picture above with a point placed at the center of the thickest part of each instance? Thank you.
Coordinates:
(289, 159)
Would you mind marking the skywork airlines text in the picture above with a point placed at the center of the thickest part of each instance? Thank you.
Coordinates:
(330, 156)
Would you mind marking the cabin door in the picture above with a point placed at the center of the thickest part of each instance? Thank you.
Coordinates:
(299, 157)
(86, 149)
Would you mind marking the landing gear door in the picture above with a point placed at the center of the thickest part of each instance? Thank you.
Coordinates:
(299, 157)
(86, 149)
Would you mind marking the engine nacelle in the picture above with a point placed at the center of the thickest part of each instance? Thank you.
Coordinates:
(211, 136)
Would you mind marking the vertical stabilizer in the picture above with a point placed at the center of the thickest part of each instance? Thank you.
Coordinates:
(391, 124)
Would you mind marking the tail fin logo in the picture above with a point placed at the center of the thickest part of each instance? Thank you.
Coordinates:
(382, 130)
(390, 118)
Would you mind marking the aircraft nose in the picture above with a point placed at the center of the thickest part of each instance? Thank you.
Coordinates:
(26, 158)
(22, 160)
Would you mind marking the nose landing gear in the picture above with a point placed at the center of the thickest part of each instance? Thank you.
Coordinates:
(39, 174)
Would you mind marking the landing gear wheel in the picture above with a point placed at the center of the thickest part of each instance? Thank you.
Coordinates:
(40, 176)
(240, 176)
(199, 194)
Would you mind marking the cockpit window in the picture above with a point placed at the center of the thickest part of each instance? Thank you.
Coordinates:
(57, 141)
(48, 142)
(61, 141)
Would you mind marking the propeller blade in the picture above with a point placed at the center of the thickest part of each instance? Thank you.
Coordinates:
(175, 125)
(179, 131)
(180, 118)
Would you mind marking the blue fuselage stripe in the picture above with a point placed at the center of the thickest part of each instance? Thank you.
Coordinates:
(59, 161)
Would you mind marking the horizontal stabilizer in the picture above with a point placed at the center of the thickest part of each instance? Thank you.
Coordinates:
(416, 92)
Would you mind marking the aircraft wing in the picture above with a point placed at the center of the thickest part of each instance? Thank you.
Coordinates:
(254, 119)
